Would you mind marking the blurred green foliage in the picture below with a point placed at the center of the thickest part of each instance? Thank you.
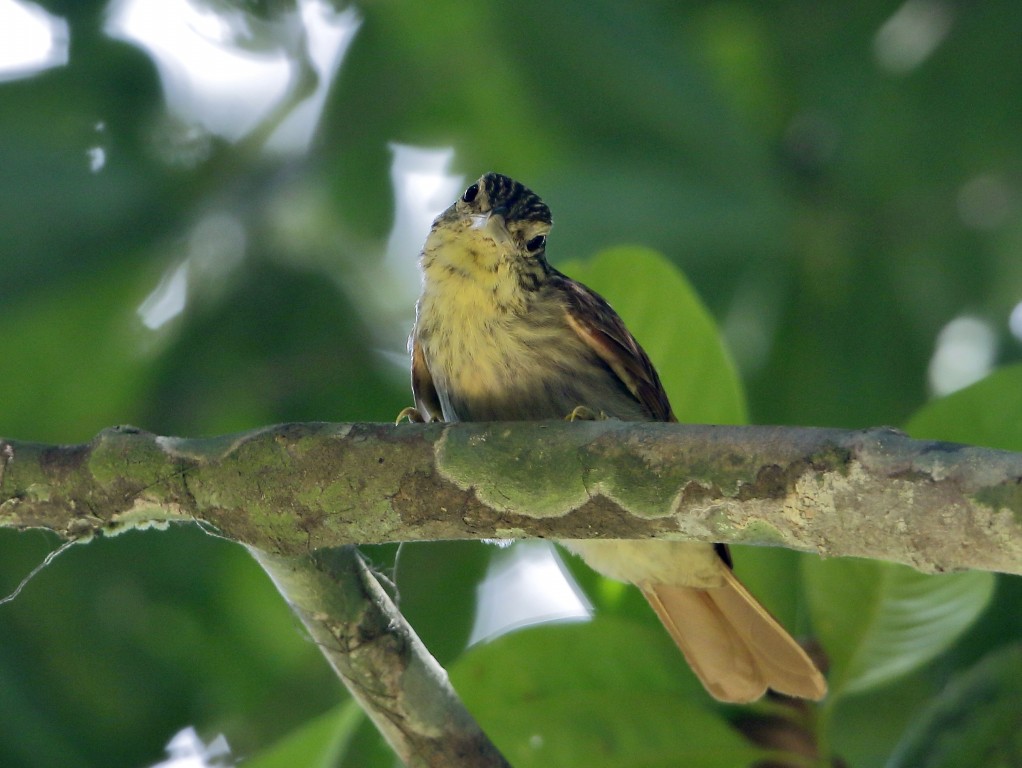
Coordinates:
(833, 208)
(552, 713)
(975, 724)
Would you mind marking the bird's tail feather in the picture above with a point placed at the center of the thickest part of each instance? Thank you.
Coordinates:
(735, 647)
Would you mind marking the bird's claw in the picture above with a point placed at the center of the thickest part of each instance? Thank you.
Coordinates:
(412, 414)
(585, 413)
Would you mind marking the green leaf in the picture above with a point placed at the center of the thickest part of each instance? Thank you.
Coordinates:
(605, 693)
(665, 314)
(319, 743)
(773, 575)
(974, 723)
(988, 413)
(864, 730)
(878, 621)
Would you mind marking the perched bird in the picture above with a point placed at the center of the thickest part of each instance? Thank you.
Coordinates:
(500, 335)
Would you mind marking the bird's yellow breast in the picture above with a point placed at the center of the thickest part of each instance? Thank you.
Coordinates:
(467, 336)
(471, 314)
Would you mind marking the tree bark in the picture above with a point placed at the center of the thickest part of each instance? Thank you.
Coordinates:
(296, 488)
(380, 659)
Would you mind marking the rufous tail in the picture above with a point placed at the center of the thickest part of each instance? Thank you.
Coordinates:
(735, 647)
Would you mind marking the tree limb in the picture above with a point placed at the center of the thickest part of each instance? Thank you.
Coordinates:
(380, 659)
(296, 488)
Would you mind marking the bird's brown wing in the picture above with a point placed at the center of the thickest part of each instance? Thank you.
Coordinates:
(423, 390)
(598, 325)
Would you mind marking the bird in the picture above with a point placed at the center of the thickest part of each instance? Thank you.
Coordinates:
(501, 335)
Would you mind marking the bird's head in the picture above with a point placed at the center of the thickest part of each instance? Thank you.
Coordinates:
(497, 225)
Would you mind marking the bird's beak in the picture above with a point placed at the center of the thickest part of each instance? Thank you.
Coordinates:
(493, 225)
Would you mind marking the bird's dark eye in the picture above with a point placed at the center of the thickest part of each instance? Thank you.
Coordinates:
(470, 193)
(536, 243)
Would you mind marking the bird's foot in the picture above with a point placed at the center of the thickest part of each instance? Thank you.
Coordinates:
(585, 413)
(412, 414)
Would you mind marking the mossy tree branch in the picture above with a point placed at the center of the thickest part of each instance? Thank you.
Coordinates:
(296, 488)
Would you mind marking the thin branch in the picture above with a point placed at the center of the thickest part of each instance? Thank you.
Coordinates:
(380, 659)
(296, 488)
